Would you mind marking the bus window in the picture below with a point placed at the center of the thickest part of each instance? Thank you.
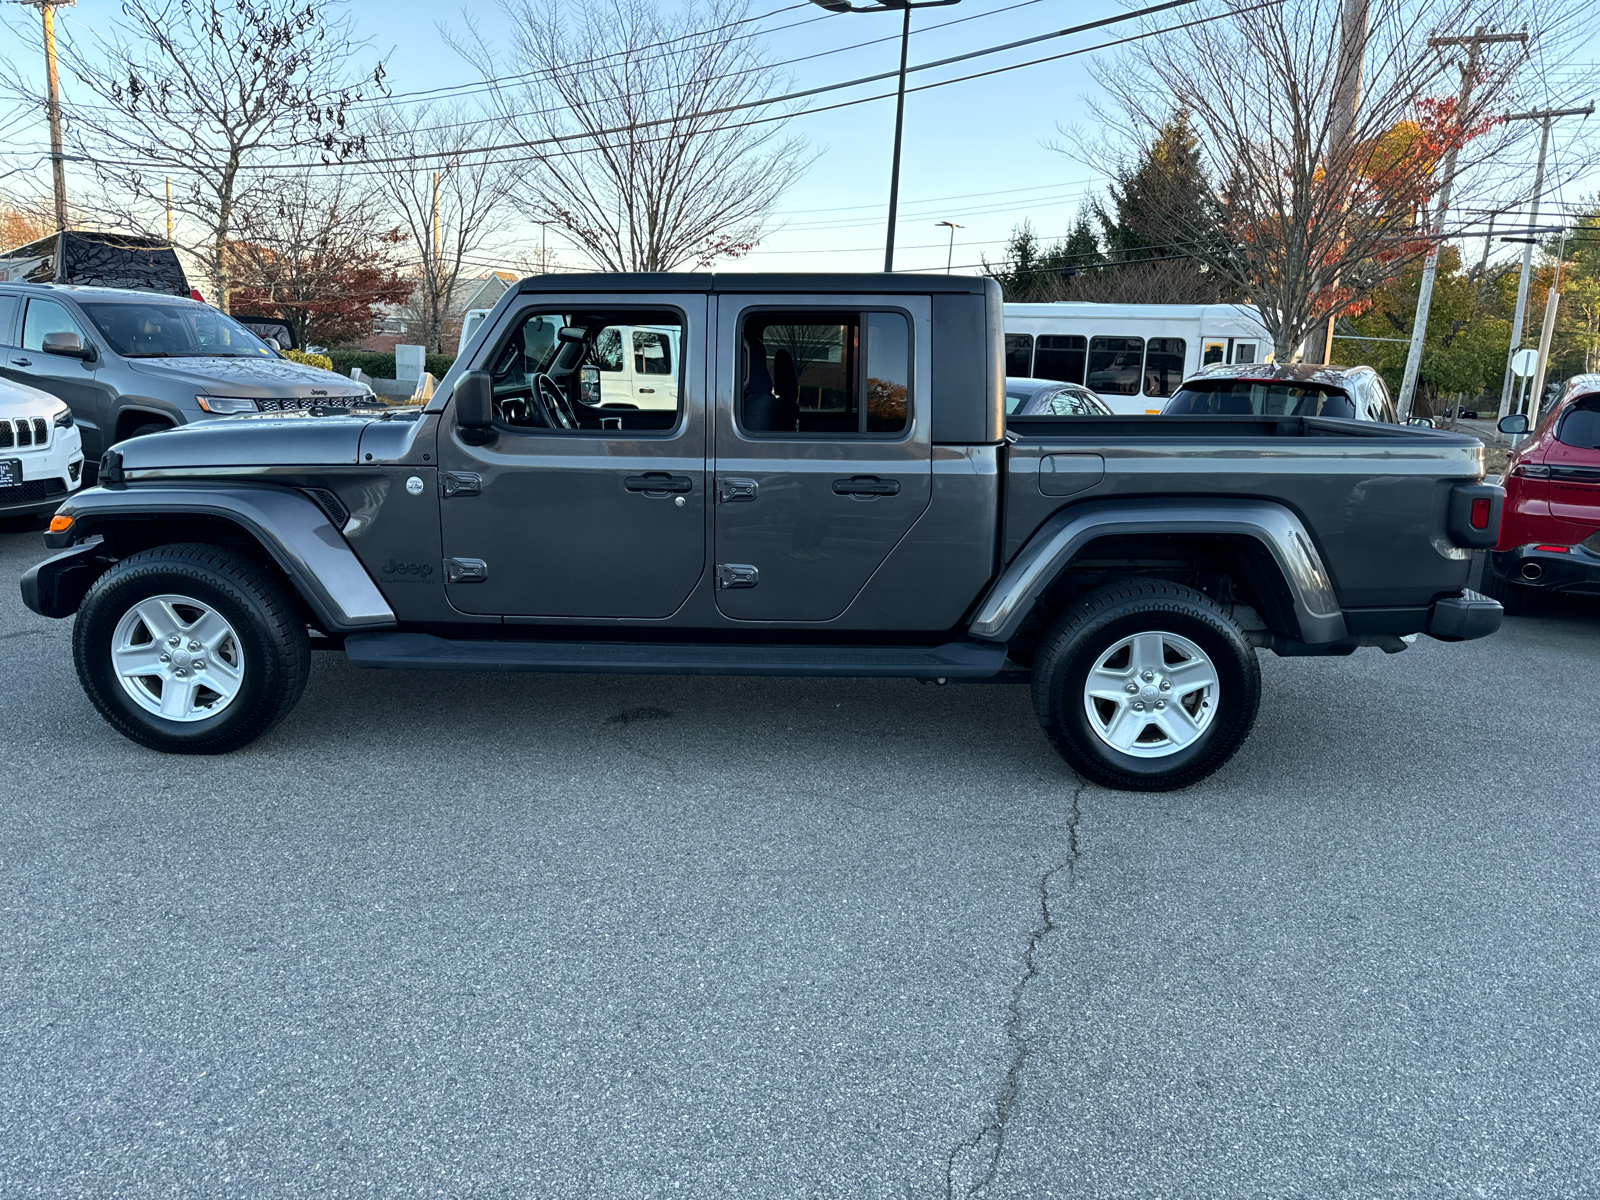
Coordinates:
(1163, 366)
(1060, 357)
(1212, 352)
(1019, 355)
(1244, 352)
(1115, 365)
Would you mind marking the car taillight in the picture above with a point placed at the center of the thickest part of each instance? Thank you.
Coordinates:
(1554, 549)
(1480, 514)
(1531, 471)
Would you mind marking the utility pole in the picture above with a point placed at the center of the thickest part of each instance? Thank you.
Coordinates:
(1547, 333)
(1469, 73)
(1545, 116)
(58, 167)
(950, 255)
(436, 239)
(169, 208)
(1353, 22)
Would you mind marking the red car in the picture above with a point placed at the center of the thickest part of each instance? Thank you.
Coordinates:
(1550, 534)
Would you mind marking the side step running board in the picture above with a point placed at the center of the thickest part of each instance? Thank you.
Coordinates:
(423, 651)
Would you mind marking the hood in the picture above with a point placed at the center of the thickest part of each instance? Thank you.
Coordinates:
(20, 400)
(254, 377)
(270, 440)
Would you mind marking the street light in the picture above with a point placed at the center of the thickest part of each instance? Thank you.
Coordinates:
(905, 6)
(951, 254)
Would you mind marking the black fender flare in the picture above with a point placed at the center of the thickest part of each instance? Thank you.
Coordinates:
(1049, 551)
(287, 524)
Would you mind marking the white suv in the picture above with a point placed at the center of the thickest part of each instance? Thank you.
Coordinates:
(41, 453)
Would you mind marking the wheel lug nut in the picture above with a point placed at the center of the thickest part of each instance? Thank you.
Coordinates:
(1161, 703)
(1138, 706)
(193, 645)
(1148, 676)
(166, 658)
(1166, 686)
(174, 640)
(199, 664)
(182, 674)
(1133, 689)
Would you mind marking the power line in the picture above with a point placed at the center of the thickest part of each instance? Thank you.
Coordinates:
(457, 156)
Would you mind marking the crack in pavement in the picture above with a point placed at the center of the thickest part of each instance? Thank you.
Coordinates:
(993, 1134)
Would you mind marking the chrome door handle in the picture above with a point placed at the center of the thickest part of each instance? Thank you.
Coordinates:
(648, 391)
(866, 485)
(22, 362)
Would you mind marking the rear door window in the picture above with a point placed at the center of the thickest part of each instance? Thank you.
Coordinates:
(8, 316)
(1163, 366)
(828, 374)
(1580, 428)
(1019, 355)
(1060, 357)
(1116, 365)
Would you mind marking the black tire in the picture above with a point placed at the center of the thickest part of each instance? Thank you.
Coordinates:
(1082, 635)
(1513, 597)
(149, 427)
(265, 619)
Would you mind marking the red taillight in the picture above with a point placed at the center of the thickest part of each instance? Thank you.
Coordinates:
(1480, 514)
(1554, 549)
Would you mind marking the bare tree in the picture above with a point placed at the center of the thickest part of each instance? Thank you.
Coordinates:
(207, 92)
(1313, 207)
(444, 198)
(315, 250)
(650, 176)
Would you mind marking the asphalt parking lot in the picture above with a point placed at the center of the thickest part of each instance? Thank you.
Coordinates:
(545, 936)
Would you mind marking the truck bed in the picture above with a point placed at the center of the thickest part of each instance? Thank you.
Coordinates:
(1374, 496)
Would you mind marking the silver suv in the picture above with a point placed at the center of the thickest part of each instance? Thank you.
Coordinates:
(129, 363)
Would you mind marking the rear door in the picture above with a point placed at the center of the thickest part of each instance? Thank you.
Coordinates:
(604, 520)
(822, 447)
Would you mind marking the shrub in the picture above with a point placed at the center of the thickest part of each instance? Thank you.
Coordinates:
(381, 366)
(310, 360)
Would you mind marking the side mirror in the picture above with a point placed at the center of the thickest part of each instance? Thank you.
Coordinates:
(1424, 422)
(273, 342)
(589, 385)
(1514, 424)
(473, 398)
(68, 345)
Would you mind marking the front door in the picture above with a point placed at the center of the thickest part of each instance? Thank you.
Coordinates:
(823, 453)
(578, 508)
(69, 379)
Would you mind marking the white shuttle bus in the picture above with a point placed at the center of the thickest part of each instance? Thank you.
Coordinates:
(1133, 356)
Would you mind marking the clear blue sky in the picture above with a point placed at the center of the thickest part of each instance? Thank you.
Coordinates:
(975, 152)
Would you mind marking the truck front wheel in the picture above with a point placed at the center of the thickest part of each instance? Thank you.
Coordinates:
(191, 649)
(1146, 686)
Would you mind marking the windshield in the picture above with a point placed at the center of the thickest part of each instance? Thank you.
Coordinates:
(1259, 397)
(142, 329)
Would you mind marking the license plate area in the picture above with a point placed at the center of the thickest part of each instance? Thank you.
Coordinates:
(10, 472)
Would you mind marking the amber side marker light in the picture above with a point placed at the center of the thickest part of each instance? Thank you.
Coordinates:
(60, 524)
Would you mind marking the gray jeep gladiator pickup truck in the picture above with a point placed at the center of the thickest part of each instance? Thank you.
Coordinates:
(763, 475)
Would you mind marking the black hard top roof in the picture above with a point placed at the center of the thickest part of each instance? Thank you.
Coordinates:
(732, 281)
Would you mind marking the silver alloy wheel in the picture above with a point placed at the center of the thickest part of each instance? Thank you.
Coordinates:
(1151, 695)
(178, 658)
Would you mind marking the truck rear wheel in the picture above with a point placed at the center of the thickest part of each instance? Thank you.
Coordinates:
(191, 649)
(1146, 686)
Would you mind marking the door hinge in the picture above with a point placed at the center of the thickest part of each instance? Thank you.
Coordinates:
(737, 575)
(465, 570)
(460, 483)
(732, 490)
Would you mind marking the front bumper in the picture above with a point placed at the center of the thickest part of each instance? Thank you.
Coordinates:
(1463, 618)
(50, 474)
(1575, 569)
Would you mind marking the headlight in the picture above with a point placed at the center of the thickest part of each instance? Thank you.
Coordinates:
(64, 419)
(227, 405)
